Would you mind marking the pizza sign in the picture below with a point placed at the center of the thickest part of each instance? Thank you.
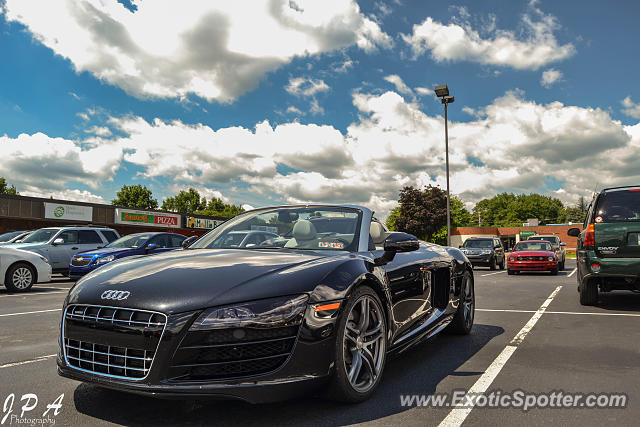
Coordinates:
(155, 219)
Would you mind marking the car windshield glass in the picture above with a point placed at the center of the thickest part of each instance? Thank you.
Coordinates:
(300, 228)
(478, 244)
(532, 246)
(618, 206)
(40, 236)
(8, 236)
(548, 239)
(133, 241)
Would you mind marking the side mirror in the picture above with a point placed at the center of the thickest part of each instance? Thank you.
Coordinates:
(574, 232)
(401, 242)
(58, 241)
(188, 241)
(563, 244)
(151, 246)
(459, 246)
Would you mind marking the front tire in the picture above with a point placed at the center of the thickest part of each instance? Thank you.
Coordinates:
(492, 264)
(20, 277)
(554, 272)
(361, 347)
(510, 272)
(502, 264)
(588, 292)
(463, 319)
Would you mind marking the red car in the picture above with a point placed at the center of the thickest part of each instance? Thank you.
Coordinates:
(532, 255)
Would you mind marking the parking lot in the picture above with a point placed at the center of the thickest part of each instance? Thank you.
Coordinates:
(558, 345)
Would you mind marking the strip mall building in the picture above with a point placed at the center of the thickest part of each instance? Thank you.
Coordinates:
(31, 213)
(512, 235)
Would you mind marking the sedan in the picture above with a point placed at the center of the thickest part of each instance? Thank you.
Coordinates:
(532, 255)
(266, 322)
(19, 269)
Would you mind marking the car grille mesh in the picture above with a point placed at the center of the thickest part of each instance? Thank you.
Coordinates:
(230, 353)
(532, 258)
(127, 352)
(80, 262)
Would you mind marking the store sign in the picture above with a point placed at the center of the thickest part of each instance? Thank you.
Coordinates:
(69, 212)
(525, 234)
(154, 219)
(193, 222)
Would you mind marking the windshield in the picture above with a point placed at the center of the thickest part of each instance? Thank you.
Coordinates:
(553, 240)
(40, 236)
(8, 236)
(301, 228)
(618, 206)
(533, 246)
(132, 241)
(478, 244)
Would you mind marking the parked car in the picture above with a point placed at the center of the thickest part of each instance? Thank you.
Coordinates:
(19, 269)
(484, 251)
(266, 323)
(60, 244)
(130, 245)
(13, 236)
(246, 238)
(608, 249)
(558, 247)
(532, 255)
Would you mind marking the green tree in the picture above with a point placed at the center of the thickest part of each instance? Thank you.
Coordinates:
(460, 217)
(508, 209)
(135, 196)
(576, 213)
(5, 189)
(186, 202)
(216, 207)
(391, 221)
(422, 212)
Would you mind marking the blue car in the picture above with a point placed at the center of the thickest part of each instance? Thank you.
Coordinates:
(130, 245)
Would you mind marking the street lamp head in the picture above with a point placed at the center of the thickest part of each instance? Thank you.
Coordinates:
(442, 90)
(448, 99)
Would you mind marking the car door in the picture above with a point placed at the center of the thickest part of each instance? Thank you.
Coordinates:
(162, 244)
(88, 240)
(62, 252)
(499, 251)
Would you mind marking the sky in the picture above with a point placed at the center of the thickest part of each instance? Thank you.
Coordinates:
(285, 101)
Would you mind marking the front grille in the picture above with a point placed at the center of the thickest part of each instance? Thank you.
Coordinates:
(532, 258)
(111, 341)
(231, 353)
(80, 262)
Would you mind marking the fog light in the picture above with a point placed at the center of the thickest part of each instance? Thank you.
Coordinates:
(595, 267)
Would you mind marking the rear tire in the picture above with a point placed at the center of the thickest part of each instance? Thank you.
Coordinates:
(561, 266)
(588, 292)
(20, 277)
(502, 264)
(463, 319)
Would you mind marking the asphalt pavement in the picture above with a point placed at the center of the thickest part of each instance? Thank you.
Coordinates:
(530, 335)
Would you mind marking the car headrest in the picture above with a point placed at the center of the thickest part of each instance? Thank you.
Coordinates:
(376, 230)
(304, 230)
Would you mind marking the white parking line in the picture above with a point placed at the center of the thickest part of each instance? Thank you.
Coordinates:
(26, 294)
(24, 362)
(30, 312)
(573, 272)
(491, 274)
(458, 414)
(560, 312)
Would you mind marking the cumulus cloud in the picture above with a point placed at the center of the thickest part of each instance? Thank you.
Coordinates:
(631, 109)
(459, 41)
(424, 91)
(75, 195)
(550, 76)
(400, 85)
(304, 86)
(215, 50)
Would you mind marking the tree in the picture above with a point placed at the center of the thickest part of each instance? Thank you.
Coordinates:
(5, 189)
(460, 217)
(186, 202)
(422, 212)
(509, 210)
(391, 221)
(216, 207)
(576, 213)
(135, 196)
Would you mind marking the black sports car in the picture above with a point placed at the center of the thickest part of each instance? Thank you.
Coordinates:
(324, 302)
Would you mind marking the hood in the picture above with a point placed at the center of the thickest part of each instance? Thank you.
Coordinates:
(186, 280)
(25, 246)
(108, 251)
(533, 253)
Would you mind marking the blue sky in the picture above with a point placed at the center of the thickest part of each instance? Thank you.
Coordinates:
(317, 101)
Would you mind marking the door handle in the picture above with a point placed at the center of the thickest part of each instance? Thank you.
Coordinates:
(74, 248)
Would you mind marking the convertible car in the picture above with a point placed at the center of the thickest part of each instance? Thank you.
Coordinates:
(322, 302)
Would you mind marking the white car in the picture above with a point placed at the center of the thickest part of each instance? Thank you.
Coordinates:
(19, 269)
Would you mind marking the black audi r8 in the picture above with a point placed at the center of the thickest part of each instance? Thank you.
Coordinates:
(323, 303)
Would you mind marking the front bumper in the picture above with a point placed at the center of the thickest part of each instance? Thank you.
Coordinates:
(44, 273)
(480, 259)
(308, 367)
(532, 265)
(75, 272)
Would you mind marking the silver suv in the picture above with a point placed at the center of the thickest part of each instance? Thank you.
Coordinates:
(558, 247)
(60, 244)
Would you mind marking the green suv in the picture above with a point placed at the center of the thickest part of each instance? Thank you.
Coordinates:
(608, 250)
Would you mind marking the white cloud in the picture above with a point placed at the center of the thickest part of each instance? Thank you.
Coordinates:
(550, 76)
(400, 85)
(293, 110)
(424, 91)
(458, 41)
(631, 109)
(75, 195)
(303, 86)
(216, 50)
(99, 130)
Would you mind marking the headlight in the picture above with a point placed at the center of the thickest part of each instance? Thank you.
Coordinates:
(550, 258)
(103, 259)
(486, 251)
(266, 312)
(511, 258)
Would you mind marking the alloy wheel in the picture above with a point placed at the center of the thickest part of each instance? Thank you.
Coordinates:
(468, 302)
(22, 278)
(364, 343)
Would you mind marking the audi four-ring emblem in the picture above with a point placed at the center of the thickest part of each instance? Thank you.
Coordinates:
(115, 295)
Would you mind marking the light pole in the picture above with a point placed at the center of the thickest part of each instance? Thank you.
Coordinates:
(442, 91)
